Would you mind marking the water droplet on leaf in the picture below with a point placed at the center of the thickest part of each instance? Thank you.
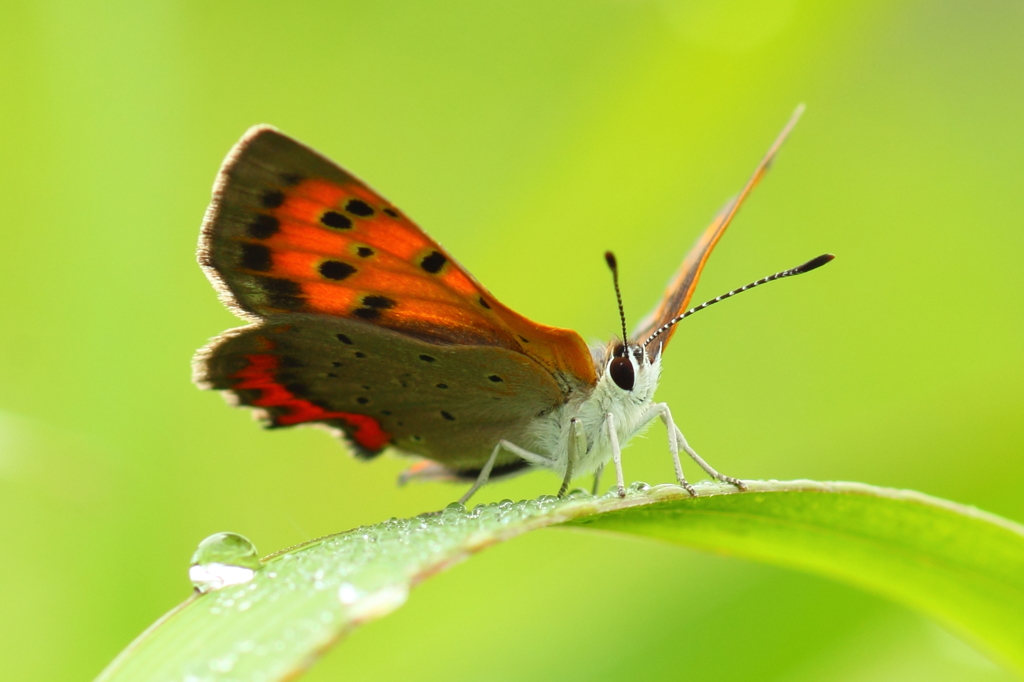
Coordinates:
(221, 560)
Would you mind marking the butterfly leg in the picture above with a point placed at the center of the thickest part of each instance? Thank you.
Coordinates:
(661, 410)
(597, 480)
(613, 440)
(485, 473)
(707, 467)
(577, 447)
(675, 440)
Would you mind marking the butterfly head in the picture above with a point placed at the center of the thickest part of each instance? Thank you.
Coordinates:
(629, 372)
(626, 365)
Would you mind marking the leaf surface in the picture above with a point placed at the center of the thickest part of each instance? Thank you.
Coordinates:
(961, 566)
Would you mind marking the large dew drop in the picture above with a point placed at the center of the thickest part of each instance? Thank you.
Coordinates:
(221, 560)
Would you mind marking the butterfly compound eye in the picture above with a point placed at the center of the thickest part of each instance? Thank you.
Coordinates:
(621, 370)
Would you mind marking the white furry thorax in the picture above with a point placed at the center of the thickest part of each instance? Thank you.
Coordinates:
(550, 433)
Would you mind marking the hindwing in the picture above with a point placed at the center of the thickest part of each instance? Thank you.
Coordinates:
(380, 387)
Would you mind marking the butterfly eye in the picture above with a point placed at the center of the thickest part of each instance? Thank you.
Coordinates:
(621, 370)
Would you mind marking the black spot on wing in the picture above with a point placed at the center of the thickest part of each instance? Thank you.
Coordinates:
(359, 207)
(433, 262)
(256, 257)
(272, 198)
(427, 358)
(379, 302)
(391, 212)
(336, 270)
(344, 339)
(372, 305)
(283, 294)
(495, 378)
(263, 226)
(364, 251)
(336, 220)
(484, 303)
(447, 416)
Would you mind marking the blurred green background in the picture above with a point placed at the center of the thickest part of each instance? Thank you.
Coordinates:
(527, 137)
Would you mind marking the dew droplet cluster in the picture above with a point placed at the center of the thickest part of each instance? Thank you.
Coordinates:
(300, 600)
(337, 582)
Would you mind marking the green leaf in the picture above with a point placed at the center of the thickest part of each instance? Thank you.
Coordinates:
(961, 566)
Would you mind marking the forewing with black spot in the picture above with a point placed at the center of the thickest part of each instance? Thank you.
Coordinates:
(450, 404)
(288, 231)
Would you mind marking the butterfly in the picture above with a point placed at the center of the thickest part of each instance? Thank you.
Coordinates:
(361, 323)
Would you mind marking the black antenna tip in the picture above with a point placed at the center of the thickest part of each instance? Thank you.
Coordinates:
(609, 258)
(813, 264)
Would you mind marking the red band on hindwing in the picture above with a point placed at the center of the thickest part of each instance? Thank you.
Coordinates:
(259, 375)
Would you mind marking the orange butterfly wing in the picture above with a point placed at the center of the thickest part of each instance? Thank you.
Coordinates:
(684, 283)
(288, 231)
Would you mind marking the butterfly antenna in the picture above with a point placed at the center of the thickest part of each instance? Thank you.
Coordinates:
(613, 265)
(812, 264)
